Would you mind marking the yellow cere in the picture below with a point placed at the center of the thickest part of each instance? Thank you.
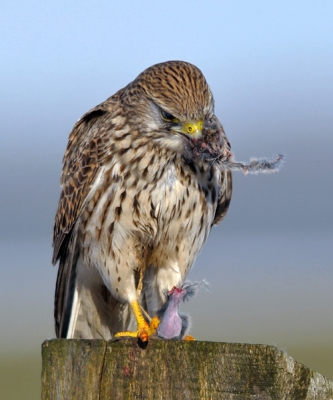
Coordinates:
(193, 129)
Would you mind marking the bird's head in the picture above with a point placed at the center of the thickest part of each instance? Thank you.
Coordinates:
(176, 106)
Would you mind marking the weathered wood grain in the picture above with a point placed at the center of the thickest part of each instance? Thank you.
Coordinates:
(95, 369)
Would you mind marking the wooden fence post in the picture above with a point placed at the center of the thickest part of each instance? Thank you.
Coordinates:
(96, 369)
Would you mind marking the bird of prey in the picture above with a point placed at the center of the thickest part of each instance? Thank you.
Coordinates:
(141, 190)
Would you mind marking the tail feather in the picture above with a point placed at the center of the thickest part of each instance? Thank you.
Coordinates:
(65, 288)
(84, 307)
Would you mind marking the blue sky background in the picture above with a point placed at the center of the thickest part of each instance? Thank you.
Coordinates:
(270, 67)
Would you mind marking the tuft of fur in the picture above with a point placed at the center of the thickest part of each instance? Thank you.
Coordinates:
(255, 166)
(193, 288)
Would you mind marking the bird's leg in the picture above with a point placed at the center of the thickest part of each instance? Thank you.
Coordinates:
(144, 330)
(140, 283)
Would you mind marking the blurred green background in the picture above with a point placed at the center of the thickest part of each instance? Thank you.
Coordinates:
(270, 67)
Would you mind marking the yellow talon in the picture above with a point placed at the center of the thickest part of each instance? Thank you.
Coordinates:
(144, 330)
(126, 334)
(189, 337)
(154, 323)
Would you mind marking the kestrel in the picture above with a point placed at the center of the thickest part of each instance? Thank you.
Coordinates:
(141, 190)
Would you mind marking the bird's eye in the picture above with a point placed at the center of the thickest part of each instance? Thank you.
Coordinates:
(168, 117)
